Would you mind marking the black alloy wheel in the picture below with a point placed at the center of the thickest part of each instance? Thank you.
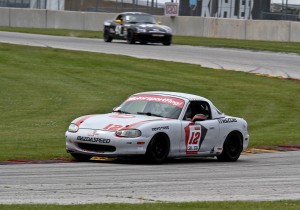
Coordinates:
(106, 35)
(130, 37)
(158, 149)
(232, 148)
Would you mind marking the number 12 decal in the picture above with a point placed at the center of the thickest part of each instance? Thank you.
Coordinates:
(193, 135)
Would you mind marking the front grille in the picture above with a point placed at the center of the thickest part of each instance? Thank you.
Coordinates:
(96, 147)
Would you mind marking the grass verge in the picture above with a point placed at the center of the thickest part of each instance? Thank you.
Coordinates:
(276, 205)
(287, 47)
(42, 90)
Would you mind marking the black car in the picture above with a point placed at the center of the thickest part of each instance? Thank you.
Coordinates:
(136, 27)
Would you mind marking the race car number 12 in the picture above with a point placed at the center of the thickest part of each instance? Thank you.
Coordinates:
(193, 140)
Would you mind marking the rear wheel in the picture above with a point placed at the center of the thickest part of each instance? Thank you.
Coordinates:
(130, 37)
(81, 157)
(106, 35)
(232, 148)
(158, 149)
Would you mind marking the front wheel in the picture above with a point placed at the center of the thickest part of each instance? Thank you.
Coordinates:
(130, 37)
(232, 148)
(158, 149)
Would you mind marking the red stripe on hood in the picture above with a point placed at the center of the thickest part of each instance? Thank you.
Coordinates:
(81, 120)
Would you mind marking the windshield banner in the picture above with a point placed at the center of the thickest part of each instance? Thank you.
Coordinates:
(159, 99)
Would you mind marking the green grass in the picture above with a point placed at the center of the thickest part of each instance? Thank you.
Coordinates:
(288, 47)
(42, 90)
(276, 205)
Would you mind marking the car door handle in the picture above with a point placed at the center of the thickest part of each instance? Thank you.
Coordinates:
(211, 128)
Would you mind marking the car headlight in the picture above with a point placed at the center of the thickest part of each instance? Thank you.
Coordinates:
(73, 128)
(130, 133)
(141, 30)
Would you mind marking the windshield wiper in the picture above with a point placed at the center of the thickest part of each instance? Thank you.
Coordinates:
(120, 111)
(149, 114)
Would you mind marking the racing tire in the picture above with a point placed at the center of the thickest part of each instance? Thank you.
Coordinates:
(232, 148)
(130, 37)
(81, 157)
(166, 43)
(143, 42)
(106, 36)
(158, 149)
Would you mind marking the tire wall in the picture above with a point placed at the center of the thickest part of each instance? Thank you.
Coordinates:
(268, 30)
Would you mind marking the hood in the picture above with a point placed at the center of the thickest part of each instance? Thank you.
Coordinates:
(113, 121)
(154, 27)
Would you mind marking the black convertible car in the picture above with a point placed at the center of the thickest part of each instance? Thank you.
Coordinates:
(136, 27)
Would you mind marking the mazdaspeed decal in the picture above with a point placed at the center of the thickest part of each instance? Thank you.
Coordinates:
(93, 139)
(227, 120)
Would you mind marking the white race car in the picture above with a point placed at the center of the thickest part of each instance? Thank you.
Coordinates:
(159, 125)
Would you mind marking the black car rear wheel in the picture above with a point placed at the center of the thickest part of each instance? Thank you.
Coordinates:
(106, 35)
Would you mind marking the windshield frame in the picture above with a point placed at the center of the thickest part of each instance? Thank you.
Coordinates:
(137, 18)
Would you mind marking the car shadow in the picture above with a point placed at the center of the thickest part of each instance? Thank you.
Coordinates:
(141, 161)
(136, 44)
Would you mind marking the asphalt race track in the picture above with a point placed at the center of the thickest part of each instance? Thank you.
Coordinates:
(256, 177)
(280, 64)
(259, 177)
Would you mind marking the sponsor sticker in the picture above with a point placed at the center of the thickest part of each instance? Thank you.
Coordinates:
(93, 139)
(160, 128)
(155, 98)
(227, 120)
(192, 139)
(158, 35)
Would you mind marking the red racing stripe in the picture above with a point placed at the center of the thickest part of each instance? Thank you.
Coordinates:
(81, 120)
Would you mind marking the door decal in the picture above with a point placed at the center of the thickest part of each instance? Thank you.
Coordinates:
(194, 136)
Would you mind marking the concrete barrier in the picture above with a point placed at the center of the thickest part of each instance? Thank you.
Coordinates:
(93, 21)
(65, 20)
(4, 16)
(184, 25)
(224, 28)
(268, 30)
(295, 32)
(33, 18)
(181, 25)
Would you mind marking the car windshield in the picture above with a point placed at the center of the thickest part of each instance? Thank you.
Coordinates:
(139, 18)
(153, 105)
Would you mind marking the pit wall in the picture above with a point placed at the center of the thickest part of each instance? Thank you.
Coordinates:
(268, 30)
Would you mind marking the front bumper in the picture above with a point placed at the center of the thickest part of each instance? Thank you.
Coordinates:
(153, 37)
(104, 144)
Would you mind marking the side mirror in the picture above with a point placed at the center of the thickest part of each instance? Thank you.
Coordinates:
(199, 117)
(158, 22)
(118, 21)
(115, 109)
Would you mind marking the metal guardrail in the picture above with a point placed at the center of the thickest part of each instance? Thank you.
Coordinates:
(156, 7)
(279, 16)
